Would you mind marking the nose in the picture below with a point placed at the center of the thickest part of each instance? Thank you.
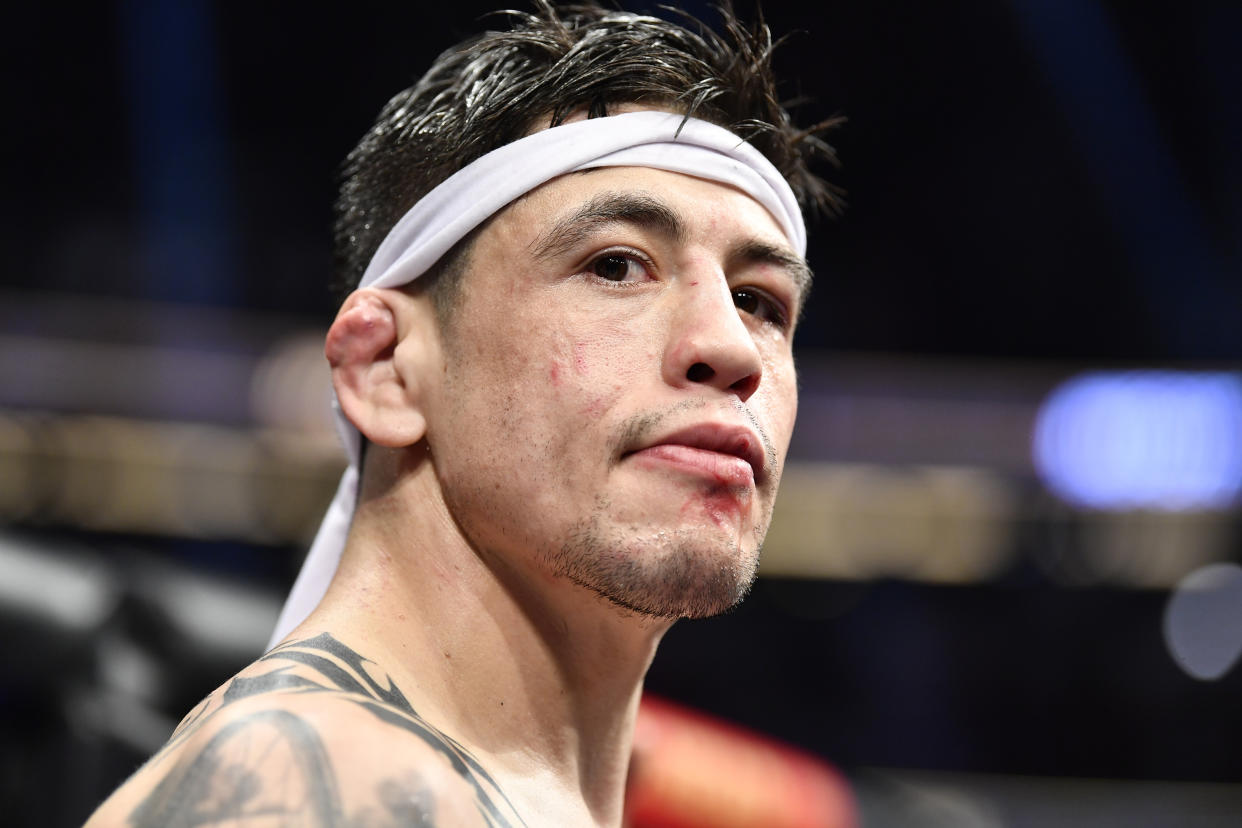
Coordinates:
(710, 344)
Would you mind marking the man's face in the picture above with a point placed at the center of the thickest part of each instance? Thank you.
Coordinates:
(619, 388)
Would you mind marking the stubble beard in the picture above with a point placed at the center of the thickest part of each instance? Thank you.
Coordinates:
(683, 572)
(671, 574)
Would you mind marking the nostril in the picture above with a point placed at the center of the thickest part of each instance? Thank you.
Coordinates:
(700, 372)
(746, 386)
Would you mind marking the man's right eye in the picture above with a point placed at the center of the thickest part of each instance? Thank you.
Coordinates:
(616, 267)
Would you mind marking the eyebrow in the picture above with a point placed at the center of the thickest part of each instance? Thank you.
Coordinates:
(604, 209)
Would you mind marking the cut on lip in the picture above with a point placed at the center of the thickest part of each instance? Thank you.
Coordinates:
(738, 441)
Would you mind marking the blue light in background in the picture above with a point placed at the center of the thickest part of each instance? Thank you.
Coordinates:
(1143, 439)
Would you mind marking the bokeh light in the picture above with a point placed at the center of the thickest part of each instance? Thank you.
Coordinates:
(1143, 439)
(1203, 621)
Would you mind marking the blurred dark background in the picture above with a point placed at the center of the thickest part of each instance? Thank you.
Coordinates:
(1021, 373)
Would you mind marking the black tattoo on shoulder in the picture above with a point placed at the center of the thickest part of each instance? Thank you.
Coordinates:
(222, 781)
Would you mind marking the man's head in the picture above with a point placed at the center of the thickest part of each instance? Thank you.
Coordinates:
(609, 402)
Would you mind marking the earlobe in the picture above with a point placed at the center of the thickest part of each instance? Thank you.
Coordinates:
(377, 397)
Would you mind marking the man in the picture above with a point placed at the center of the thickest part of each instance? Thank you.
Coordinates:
(571, 361)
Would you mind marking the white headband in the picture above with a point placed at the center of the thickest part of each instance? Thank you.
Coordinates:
(470, 196)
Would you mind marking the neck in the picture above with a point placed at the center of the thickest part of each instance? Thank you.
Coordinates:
(537, 676)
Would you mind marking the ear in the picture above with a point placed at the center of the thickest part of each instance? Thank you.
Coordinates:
(378, 396)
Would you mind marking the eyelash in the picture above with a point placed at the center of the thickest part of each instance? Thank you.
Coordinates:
(768, 309)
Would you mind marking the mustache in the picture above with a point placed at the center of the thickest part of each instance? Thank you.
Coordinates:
(638, 428)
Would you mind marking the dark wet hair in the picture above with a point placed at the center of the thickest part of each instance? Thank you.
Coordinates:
(494, 88)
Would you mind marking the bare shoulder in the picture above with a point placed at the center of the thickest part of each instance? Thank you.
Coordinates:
(310, 734)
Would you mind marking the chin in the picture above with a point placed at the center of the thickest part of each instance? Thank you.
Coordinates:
(671, 575)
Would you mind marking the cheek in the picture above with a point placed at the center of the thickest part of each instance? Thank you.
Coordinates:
(580, 358)
(566, 361)
(590, 374)
(570, 360)
(779, 396)
(557, 383)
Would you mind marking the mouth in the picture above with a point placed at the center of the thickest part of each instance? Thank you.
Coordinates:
(731, 454)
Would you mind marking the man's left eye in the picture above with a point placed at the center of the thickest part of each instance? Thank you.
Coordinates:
(757, 303)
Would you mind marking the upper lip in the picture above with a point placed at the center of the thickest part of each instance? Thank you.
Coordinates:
(736, 440)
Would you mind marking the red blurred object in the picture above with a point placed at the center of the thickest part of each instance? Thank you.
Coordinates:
(690, 770)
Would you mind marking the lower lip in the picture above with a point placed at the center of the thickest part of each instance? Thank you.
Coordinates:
(725, 469)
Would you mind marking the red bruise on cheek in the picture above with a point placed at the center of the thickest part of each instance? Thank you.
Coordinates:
(554, 374)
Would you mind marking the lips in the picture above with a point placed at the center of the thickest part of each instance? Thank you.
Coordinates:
(731, 454)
